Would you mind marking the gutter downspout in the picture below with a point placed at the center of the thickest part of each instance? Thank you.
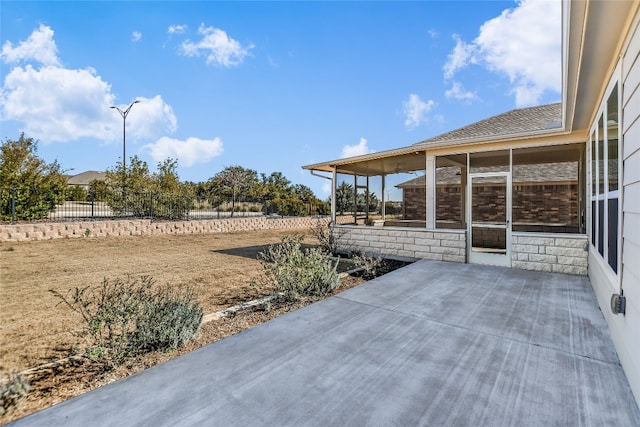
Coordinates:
(333, 191)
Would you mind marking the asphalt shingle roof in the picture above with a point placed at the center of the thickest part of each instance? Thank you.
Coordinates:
(85, 178)
(514, 122)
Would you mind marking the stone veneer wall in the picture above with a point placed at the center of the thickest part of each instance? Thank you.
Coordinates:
(441, 245)
(550, 252)
(46, 231)
(559, 253)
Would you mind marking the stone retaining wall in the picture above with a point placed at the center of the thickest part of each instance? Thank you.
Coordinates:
(137, 227)
(441, 245)
(550, 252)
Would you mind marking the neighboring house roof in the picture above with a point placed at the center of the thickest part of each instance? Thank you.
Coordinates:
(522, 174)
(520, 121)
(85, 178)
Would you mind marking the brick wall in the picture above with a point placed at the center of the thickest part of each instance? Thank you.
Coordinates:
(539, 203)
(414, 203)
(46, 231)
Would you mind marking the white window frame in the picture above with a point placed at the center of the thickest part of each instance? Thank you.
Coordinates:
(606, 195)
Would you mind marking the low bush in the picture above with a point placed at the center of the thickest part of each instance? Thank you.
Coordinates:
(329, 237)
(296, 273)
(371, 265)
(11, 391)
(125, 318)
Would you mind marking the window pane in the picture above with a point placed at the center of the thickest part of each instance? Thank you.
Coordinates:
(612, 231)
(593, 223)
(451, 187)
(600, 156)
(601, 227)
(594, 172)
(612, 139)
(545, 194)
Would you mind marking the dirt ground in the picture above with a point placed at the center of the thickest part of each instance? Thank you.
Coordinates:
(35, 329)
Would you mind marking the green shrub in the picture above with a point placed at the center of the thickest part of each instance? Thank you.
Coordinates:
(370, 265)
(169, 320)
(125, 318)
(296, 273)
(11, 391)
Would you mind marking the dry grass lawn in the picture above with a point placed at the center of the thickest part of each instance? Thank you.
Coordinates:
(35, 329)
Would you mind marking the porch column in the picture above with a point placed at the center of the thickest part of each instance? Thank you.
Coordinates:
(384, 208)
(334, 177)
(463, 195)
(430, 180)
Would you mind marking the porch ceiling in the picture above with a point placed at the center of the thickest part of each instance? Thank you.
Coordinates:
(403, 160)
(410, 160)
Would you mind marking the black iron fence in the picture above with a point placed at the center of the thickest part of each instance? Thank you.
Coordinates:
(71, 204)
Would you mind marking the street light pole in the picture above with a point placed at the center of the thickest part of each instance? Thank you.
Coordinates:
(124, 115)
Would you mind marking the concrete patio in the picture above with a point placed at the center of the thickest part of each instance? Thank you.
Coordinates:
(434, 343)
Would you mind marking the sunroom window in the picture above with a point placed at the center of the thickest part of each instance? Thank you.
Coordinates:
(605, 194)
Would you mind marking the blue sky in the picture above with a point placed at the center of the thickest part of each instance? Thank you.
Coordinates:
(269, 86)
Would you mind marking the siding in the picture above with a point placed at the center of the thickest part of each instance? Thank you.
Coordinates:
(630, 325)
(625, 330)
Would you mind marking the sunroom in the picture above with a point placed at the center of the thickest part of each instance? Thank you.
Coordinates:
(508, 190)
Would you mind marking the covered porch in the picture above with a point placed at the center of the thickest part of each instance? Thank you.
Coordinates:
(515, 202)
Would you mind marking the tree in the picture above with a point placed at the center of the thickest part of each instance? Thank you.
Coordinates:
(36, 186)
(373, 202)
(344, 197)
(166, 178)
(98, 190)
(233, 181)
(280, 196)
(139, 192)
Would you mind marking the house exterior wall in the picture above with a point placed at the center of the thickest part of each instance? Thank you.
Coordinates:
(625, 329)
(552, 203)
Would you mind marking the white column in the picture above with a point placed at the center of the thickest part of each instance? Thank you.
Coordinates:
(384, 209)
(334, 177)
(430, 179)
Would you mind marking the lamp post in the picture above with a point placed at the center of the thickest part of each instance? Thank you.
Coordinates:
(124, 115)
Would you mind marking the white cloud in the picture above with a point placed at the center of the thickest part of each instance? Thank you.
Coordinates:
(358, 149)
(415, 110)
(136, 36)
(217, 46)
(459, 57)
(177, 29)
(433, 33)
(150, 118)
(458, 92)
(39, 47)
(189, 152)
(523, 43)
(56, 104)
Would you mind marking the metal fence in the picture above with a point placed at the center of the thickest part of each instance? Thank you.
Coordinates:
(30, 204)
